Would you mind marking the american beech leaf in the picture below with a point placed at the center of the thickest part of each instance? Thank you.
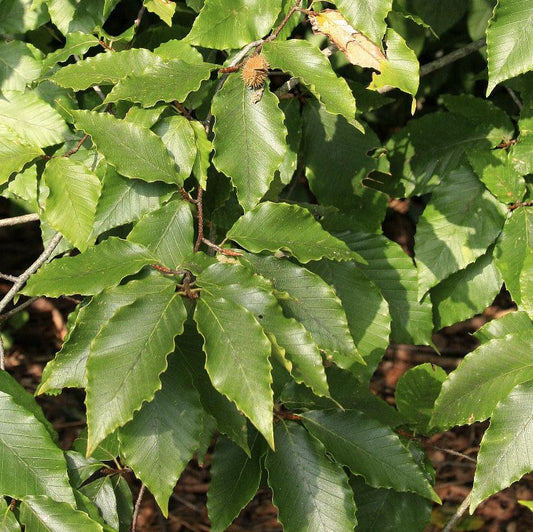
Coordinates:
(134, 150)
(313, 303)
(310, 491)
(249, 139)
(504, 454)
(92, 271)
(126, 358)
(237, 359)
(486, 376)
(369, 449)
(367, 17)
(163, 435)
(71, 204)
(305, 61)
(280, 226)
(227, 24)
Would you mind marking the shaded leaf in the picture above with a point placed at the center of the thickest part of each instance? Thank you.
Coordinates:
(369, 449)
(313, 303)
(281, 226)
(310, 491)
(226, 24)
(504, 455)
(133, 150)
(135, 342)
(100, 492)
(8, 521)
(43, 514)
(485, 377)
(92, 271)
(304, 60)
(31, 463)
(235, 479)
(162, 437)
(73, 195)
(77, 43)
(249, 139)
(237, 352)
(511, 323)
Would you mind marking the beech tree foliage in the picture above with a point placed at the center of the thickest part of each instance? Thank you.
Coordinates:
(221, 224)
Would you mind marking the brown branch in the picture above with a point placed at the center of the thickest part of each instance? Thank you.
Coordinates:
(277, 31)
(460, 511)
(16, 310)
(224, 251)
(452, 57)
(15, 220)
(521, 204)
(137, 508)
(72, 151)
(200, 207)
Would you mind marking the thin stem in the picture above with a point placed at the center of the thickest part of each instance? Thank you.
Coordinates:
(16, 220)
(224, 251)
(457, 515)
(452, 57)
(10, 278)
(21, 280)
(521, 204)
(137, 508)
(200, 206)
(515, 98)
(277, 31)
(16, 310)
(72, 151)
(2, 353)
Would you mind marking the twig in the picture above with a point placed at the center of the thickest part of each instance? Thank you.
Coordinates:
(16, 310)
(520, 204)
(72, 151)
(137, 508)
(455, 453)
(200, 206)
(7, 277)
(515, 98)
(457, 515)
(21, 280)
(16, 220)
(451, 57)
(2, 353)
(224, 251)
(277, 31)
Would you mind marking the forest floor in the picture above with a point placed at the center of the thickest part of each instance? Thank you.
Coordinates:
(36, 338)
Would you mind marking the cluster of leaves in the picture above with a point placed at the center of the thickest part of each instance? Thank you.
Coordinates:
(270, 339)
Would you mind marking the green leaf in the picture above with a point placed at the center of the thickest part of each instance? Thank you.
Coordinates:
(366, 310)
(43, 514)
(92, 271)
(237, 352)
(304, 60)
(366, 17)
(77, 43)
(67, 369)
(15, 152)
(466, 292)
(80, 468)
(514, 251)
(310, 491)
(135, 342)
(135, 151)
(280, 226)
(33, 120)
(18, 66)
(416, 392)
(521, 153)
(226, 24)
(369, 449)
(164, 9)
(510, 323)
(104, 69)
(101, 493)
(293, 123)
(400, 70)
(504, 455)
(328, 139)
(32, 464)
(71, 203)
(20, 16)
(249, 139)
(162, 81)
(168, 233)
(124, 200)
(396, 276)
(162, 437)
(389, 510)
(178, 49)
(508, 33)
(448, 237)
(229, 420)
(485, 377)
(235, 479)
(203, 152)
(241, 286)
(314, 303)
(441, 16)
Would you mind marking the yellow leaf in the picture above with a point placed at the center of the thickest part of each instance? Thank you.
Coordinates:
(356, 47)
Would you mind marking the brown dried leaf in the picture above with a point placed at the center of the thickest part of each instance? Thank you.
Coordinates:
(356, 47)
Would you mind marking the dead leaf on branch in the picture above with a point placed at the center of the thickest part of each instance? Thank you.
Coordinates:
(358, 49)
